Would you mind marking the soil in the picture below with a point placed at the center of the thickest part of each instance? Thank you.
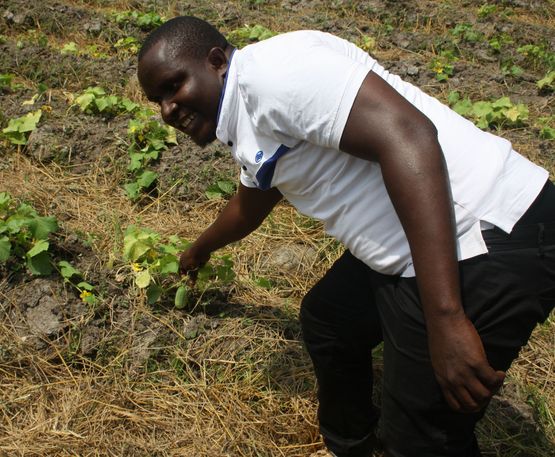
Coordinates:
(44, 311)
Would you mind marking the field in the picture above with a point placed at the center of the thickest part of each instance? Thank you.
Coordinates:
(104, 350)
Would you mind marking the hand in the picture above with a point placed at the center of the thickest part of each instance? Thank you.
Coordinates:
(191, 260)
(459, 361)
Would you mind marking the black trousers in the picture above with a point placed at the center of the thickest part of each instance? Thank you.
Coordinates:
(352, 309)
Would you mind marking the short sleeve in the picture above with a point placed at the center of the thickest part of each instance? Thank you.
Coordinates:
(300, 87)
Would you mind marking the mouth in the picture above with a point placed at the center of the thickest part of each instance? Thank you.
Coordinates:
(186, 122)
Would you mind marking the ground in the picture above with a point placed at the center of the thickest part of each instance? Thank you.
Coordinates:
(227, 374)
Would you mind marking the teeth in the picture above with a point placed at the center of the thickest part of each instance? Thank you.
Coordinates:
(190, 118)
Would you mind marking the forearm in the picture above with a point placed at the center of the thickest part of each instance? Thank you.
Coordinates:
(421, 195)
(243, 214)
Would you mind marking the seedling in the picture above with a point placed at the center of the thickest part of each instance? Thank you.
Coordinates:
(94, 100)
(70, 48)
(501, 112)
(18, 130)
(443, 65)
(249, 34)
(74, 277)
(129, 45)
(145, 21)
(547, 83)
(538, 55)
(24, 236)
(148, 138)
(220, 189)
(465, 32)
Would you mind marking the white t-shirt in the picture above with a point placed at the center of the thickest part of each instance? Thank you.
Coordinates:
(284, 106)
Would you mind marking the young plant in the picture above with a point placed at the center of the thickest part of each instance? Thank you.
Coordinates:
(249, 34)
(18, 130)
(94, 100)
(547, 83)
(443, 65)
(538, 55)
(148, 138)
(498, 113)
(155, 264)
(465, 33)
(7, 84)
(128, 45)
(145, 21)
(74, 277)
(220, 189)
(24, 236)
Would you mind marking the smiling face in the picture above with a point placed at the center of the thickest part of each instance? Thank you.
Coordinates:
(187, 89)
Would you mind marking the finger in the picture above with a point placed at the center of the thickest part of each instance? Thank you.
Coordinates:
(467, 403)
(492, 379)
(451, 400)
(480, 393)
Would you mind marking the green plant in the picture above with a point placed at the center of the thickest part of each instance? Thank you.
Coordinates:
(538, 55)
(546, 126)
(129, 45)
(18, 130)
(547, 82)
(148, 138)
(498, 42)
(248, 34)
(486, 10)
(24, 236)
(75, 278)
(145, 21)
(465, 32)
(7, 84)
(220, 189)
(70, 48)
(155, 264)
(443, 65)
(500, 112)
(94, 100)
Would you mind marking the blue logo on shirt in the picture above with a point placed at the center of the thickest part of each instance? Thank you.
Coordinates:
(258, 156)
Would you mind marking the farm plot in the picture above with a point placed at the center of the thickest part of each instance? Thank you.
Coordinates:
(104, 350)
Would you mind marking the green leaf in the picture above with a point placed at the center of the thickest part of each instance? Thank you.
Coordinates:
(39, 247)
(146, 178)
(67, 270)
(142, 280)
(132, 190)
(40, 264)
(169, 264)
(226, 186)
(153, 293)
(5, 248)
(41, 227)
(85, 286)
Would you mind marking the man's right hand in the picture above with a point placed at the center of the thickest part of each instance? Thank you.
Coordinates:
(191, 260)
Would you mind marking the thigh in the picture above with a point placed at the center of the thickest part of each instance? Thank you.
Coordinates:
(339, 314)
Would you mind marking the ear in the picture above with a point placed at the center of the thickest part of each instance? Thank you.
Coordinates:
(217, 59)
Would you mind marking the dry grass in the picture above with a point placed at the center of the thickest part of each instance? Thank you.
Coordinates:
(228, 378)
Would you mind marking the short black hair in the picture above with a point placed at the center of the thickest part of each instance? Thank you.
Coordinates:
(185, 35)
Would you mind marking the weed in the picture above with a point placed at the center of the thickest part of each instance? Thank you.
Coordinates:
(486, 10)
(74, 277)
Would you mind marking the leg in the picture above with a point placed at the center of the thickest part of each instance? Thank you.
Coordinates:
(340, 327)
(505, 294)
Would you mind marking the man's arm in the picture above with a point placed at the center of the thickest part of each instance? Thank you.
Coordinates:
(384, 127)
(243, 214)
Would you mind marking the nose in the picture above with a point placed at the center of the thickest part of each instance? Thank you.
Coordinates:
(168, 111)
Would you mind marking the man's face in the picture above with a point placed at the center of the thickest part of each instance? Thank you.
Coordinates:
(187, 90)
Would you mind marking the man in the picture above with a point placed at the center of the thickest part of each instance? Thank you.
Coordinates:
(422, 199)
